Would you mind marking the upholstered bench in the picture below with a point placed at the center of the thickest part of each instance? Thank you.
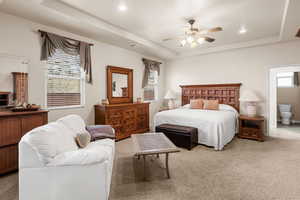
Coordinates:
(181, 136)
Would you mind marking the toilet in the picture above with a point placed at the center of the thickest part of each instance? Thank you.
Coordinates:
(285, 113)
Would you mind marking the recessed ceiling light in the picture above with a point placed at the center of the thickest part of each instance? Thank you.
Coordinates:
(123, 7)
(243, 30)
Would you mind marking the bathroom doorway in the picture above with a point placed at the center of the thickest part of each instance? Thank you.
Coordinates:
(284, 101)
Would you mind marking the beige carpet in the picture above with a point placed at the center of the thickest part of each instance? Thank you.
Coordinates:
(244, 170)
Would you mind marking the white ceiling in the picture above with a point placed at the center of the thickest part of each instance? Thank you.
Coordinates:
(147, 22)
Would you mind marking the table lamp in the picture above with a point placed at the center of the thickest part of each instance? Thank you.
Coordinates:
(170, 96)
(251, 99)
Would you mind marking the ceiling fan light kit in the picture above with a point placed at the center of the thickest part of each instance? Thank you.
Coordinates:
(195, 36)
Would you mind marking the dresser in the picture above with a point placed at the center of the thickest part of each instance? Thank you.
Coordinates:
(13, 125)
(126, 118)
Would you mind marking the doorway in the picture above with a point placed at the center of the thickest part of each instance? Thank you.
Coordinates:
(284, 101)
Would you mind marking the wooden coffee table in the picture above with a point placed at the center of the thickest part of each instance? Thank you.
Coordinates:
(153, 144)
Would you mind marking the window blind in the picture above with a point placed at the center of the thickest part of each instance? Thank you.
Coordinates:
(150, 91)
(64, 83)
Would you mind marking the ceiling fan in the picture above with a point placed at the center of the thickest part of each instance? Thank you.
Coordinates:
(194, 36)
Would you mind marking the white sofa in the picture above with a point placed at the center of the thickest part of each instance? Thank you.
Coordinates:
(52, 167)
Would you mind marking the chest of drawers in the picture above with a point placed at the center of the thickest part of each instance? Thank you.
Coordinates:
(126, 119)
(13, 125)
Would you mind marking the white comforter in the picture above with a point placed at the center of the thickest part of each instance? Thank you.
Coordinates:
(215, 127)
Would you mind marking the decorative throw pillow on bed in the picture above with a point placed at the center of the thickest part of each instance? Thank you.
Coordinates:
(211, 104)
(196, 103)
(83, 139)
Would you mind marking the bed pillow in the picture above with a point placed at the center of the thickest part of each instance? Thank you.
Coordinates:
(211, 104)
(196, 103)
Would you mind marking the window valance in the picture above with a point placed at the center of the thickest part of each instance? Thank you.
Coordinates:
(150, 65)
(51, 42)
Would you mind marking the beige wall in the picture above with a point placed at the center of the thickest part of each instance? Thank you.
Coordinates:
(19, 37)
(290, 96)
(248, 66)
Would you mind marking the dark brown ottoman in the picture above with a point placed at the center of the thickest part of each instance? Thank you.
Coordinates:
(181, 136)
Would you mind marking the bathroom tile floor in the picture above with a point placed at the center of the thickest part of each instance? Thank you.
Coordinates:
(290, 131)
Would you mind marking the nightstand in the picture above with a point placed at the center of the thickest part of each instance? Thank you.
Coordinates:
(251, 127)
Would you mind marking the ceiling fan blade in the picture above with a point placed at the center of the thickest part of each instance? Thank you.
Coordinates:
(209, 39)
(216, 29)
(298, 34)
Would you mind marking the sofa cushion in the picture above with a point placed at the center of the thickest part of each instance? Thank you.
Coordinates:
(96, 152)
(51, 140)
(74, 123)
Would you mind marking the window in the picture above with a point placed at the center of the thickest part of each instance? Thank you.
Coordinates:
(65, 81)
(151, 90)
(285, 79)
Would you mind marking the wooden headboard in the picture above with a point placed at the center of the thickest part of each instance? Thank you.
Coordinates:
(225, 93)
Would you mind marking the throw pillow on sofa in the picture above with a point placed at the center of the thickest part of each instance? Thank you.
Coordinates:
(83, 139)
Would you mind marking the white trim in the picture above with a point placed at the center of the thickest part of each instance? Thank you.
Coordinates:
(65, 107)
(284, 17)
(272, 92)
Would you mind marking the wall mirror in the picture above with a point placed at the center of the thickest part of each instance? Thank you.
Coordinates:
(119, 85)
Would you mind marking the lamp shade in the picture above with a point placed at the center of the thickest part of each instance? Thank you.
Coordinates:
(249, 96)
(170, 95)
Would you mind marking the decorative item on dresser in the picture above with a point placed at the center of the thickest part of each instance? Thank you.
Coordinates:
(4, 99)
(20, 81)
(126, 119)
(13, 125)
(251, 127)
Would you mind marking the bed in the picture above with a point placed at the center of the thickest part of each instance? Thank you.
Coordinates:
(216, 128)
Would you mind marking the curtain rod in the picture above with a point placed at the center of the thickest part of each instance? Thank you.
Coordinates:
(151, 60)
(40, 31)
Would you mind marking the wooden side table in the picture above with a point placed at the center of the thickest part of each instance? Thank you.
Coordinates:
(251, 127)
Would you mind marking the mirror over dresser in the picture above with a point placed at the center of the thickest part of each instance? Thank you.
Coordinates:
(124, 115)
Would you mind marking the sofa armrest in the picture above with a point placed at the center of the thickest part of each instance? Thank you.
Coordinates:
(99, 132)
